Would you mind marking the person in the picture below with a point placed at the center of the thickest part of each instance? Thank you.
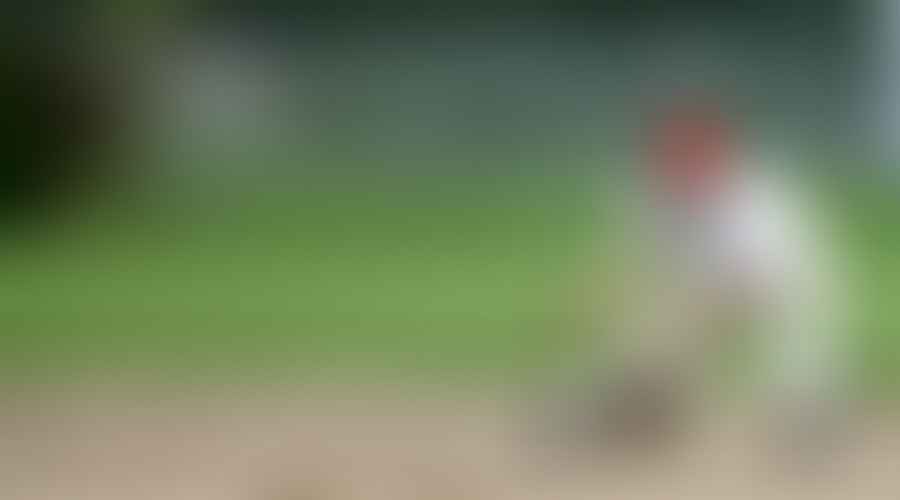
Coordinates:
(717, 242)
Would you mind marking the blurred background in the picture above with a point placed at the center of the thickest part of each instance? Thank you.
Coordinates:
(214, 191)
(240, 195)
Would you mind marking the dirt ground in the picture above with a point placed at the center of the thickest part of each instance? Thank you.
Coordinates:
(329, 444)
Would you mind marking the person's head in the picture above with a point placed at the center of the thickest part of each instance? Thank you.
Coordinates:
(691, 148)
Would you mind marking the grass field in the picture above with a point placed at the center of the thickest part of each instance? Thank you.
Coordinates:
(436, 280)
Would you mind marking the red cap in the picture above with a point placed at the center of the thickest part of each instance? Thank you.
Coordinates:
(690, 150)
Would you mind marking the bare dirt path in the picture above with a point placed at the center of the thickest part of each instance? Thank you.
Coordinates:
(369, 444)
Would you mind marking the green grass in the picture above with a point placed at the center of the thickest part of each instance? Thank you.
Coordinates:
(432, 281)
(335, 279)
